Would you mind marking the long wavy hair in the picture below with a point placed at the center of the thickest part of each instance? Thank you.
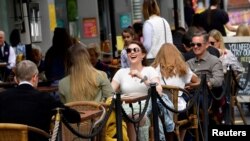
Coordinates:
(171, 61)
(83, 82)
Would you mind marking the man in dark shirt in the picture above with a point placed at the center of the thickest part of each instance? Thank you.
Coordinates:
(26, 105)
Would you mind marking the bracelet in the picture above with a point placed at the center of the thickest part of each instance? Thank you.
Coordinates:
(145, 78)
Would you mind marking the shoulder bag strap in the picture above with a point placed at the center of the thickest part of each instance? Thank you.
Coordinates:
(164, 30)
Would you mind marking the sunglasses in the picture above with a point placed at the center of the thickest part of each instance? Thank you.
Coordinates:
(212, 43)
(196, 44)
(129, 50)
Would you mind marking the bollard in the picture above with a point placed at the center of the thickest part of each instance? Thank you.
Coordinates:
(155, 111)
(118, 112)
(205, 106)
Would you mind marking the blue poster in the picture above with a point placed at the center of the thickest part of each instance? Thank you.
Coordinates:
(125, 20)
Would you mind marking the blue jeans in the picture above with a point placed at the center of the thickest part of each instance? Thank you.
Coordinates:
(168, 115)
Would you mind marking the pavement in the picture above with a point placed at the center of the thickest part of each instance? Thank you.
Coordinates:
(246, 113)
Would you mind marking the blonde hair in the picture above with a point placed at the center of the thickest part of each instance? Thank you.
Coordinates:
(218, 37)
(149, 8)
(243, 30)
(171, 61)
(83, 82)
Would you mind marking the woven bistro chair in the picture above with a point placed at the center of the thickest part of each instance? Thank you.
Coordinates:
(191, 120)
(19, 132)
(92, 113)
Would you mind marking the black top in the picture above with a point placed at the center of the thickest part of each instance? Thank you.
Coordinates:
(218, 18)
(26, 105)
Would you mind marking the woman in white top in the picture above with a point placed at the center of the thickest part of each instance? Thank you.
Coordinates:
(136, 79)
(156, 29)
(174, 71)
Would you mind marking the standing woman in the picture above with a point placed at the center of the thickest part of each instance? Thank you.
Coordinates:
(216, 18)
(84, 82)
(136, 79)
(22, 51)
(56, 57)
(156, 30)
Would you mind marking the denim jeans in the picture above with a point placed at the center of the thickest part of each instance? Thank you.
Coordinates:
(168, 116)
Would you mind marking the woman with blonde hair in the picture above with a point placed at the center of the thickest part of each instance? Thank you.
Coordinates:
(84, 82)
(174, 71)
(243, 30)
(226, 56)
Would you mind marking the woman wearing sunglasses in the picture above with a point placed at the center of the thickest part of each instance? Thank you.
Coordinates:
(226, 56)
(136, 79)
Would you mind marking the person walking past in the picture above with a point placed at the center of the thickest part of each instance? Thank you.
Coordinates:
(215, 18)
(57, 55)
(156, 30)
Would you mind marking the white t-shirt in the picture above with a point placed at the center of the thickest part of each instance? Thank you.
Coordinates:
(177, 81)
(130, 84)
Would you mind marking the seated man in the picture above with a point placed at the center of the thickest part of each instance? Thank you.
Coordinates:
(205, 63)
(26, 105)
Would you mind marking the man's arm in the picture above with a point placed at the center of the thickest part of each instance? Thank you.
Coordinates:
(217, 75)
(230, 27)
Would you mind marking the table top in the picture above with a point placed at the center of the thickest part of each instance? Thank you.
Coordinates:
(133, 97)
(87, 114)
(7, 84)
(48, 89)
(118, 66)
(3, 64)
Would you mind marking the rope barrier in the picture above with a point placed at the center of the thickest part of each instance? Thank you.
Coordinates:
(56, 126)
(132, 120)
(190, 102)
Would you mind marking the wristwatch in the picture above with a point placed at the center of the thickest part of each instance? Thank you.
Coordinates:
(145, 78)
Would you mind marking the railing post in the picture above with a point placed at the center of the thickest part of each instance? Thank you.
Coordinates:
(229, 102)
(205, 106)
(118, 114)
(155, 111)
